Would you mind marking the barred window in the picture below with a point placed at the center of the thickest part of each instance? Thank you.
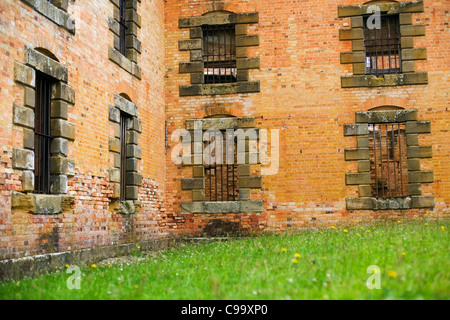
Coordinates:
(222, 176)
(123, 155)
(42, 137)
(123, 26)
(388, 164)
(382, 46)
(219, 54)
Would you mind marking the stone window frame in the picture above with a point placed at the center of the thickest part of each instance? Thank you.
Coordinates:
(195, 45)
(409, 54)
(62, 131)
(247, 181)
(414, 152)
(128, 62)
(55, 10)
(134, 153)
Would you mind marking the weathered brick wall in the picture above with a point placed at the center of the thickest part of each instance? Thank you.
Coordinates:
(301, 95)
(88, 222)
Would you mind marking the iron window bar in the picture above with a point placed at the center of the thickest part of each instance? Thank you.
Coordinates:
(388, 165)
(123, 27)
(383, 46)
(219, 54)
(42, 134)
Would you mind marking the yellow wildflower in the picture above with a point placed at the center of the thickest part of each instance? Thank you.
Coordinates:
(399, 221)
(333, 227)
(358, 235)
(362, 228)
(284, 250)
(138, 247)
(368, 230)
(298, 255)
(403, 254)
(294, 261)
(67, 266)
(136, 287)
(345, 230)
(442, 228)
(426, 223)
(392, 274)
(324, 258)
(94, 266)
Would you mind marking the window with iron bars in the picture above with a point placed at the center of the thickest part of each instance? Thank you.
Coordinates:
(42, 136)
(219, 54)
(388, 160)
(123, 155)
(123, 26)
(382, 46)
(222, 177)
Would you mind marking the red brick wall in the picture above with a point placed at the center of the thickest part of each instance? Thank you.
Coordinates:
(301, 96)
(95, 79)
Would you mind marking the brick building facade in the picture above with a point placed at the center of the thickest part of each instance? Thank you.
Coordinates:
(92, 94)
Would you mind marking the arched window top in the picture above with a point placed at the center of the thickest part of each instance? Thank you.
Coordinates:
(47, 53)
(386, 108)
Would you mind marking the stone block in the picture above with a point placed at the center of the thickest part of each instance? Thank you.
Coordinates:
(418, 127)
(45, 64)
(412, 30)
(24, 74)
(421, 177)
(134, 151)
(423, 202)
(357, 178)
(222, 207)
(132, 193)
(363, 166)
(62, 129)
(386, 116)
(364, 191)
(114, 175)
(59, 109)
(357, 154)
(189, 44)
(252, 182)
(192, 183)
(125, 105)
(28, 139)
(247, 41)
(134, 179)
(356, 129)
(59, 147)
(114, 145)
(28, 181)
(192, 207)
(252, 206)
(62, 91)
(23, 159)
(29, 99)
(414, 54)
(23, 116)
(420, 152)
(58, 184)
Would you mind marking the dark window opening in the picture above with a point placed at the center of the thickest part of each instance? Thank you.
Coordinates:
(388, 160)
(221, 182)
(382, 46)
(219, 54)
(42, 136)
(123, 155)
(123, 27)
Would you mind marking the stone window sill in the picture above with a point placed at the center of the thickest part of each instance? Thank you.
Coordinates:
(404, 203)
(40, 203)
(220, 89)
(125, 207)
(413, 78)
(206, 207)
(52, 12)
(125, 63)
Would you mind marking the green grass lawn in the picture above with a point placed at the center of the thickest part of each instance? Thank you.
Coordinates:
(413, 258)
